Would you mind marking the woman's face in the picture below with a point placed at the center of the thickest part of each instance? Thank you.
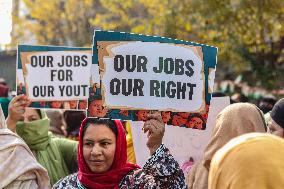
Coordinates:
(178, 120)
(275, 129)
(96, 109)
(31, 115)
(99, 144)
(195, 122)
(56, 104)
(166, 116)
(83, 105)
(142, 115)
(73, 104)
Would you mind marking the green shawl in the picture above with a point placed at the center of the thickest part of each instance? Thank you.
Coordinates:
(52, 153)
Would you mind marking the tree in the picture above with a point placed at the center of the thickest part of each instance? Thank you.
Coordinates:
(56, 22)
(249, 34)
(254, 31)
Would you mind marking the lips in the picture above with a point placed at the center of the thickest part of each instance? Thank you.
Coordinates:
(96, 162)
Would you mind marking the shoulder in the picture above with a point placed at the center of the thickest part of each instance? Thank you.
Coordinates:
(69, 182)
(197, 176)
(131, 179)
(63, 142)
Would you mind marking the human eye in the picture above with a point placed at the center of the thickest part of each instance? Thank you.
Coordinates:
(105, 144)
(32, 118)
(88, 144)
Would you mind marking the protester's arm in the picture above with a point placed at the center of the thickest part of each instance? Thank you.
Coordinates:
(165, 169)
(16, 111)
(161, 170)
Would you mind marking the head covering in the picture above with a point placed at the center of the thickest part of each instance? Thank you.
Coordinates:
(2, 119)
(18, 167)
(277, 112)
(253, 160)
(50, 152)
(266, 103)
(35, 133)
(118, 170)
(234, 120)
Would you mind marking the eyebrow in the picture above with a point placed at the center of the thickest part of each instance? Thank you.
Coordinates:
(32, 116)
(102, 140)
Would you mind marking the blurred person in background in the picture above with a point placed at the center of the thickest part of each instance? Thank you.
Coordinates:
(249, 161)
(266, 103)
(57, 155)
(276, 119)
(73, 121)
(233, 121)
(18, 168)
(57, 124)
(239, 97)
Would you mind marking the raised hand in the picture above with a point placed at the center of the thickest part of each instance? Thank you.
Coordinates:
(16, 110)
(156, 129)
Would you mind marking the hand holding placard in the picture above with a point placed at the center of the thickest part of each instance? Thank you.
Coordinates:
(156, 129)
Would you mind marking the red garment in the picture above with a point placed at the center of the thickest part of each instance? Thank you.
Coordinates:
(118, 170)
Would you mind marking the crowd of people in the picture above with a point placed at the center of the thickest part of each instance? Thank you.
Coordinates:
(66, 149)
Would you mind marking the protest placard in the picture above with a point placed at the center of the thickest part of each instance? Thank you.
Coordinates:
(54, 77)
(141, 73)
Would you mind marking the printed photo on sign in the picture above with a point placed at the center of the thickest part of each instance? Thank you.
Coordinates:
(140, 74)
(54, 77)
(186, 145)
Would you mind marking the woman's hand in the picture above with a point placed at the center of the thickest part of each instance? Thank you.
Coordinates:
(16, 111)
(155, 128)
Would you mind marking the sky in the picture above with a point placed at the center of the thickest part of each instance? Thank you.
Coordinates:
(5, 21)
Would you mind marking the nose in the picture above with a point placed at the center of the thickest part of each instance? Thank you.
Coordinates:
(96, 150)
(98, 108)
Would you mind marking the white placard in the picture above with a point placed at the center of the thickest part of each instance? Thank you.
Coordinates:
(57, 75)
(153, 76)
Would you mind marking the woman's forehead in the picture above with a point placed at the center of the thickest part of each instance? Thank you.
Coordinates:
(31, 111)
(99, 131)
